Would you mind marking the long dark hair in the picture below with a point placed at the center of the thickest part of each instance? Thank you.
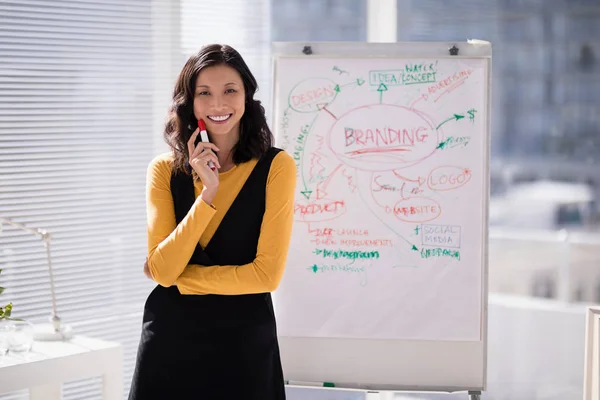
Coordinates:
(255, 136)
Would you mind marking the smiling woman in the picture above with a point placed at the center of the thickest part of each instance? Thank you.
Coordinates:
(217, 241)
(216, 85)
(220, 98)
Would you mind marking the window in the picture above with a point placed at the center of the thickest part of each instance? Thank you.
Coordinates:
(568, 214)
(543, 286)
(76, 135)
(84, 90)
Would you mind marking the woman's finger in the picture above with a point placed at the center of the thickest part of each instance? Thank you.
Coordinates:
(147, 270)
(210, 145)
(190, 143)
(204, 160)
(200, 148)
(206, 156)
(205, 145)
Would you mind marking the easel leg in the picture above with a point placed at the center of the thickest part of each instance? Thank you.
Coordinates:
(474, 395)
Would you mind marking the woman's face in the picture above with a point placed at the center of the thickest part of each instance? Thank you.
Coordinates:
(219, 99)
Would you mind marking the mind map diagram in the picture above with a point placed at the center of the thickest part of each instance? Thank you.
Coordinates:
(383, 136)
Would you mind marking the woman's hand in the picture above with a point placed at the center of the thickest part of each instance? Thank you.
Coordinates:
(200, 155)
(147, 270)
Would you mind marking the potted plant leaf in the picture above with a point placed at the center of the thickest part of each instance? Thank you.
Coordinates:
(15, 333)
(5, 311)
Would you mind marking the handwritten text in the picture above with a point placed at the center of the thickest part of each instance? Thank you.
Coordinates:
(351, 255)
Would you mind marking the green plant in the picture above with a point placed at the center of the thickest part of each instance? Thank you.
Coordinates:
(5, 311)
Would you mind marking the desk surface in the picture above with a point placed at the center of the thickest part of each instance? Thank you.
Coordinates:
(52, 350)
(43, 369)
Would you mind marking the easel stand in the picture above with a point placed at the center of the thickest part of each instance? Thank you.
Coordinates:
(473, 395)
(326, 97)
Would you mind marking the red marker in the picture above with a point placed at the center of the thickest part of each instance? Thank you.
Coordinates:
(204, 138)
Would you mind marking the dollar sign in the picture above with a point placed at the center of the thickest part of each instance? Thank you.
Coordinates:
(472, 114)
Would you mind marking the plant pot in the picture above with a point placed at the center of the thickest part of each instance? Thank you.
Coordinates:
(3, 337)
(19, 336)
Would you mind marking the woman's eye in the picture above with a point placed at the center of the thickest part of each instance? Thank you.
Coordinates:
(230, 91)
(203, 93)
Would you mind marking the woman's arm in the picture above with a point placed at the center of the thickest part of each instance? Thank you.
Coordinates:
(170, 245)
(265, 272)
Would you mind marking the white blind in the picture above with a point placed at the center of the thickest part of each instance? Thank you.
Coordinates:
(243, 24)
(84, 86)
(76, 136)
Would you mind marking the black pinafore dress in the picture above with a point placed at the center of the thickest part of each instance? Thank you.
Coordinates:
(212, 347)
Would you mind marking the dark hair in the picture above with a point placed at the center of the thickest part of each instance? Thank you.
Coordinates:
(255, 136)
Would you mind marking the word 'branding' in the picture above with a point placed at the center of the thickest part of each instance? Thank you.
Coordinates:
(385, 136)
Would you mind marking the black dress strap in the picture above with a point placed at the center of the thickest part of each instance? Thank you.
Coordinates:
(182, 190)
(236, 238)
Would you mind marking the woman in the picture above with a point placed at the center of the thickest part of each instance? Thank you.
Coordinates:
(217, 242)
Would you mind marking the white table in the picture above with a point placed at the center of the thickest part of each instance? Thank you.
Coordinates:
(49, 364)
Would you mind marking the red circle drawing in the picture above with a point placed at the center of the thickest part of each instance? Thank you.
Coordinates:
(382, 137)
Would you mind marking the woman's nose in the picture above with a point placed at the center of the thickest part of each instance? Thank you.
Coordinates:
(218, 102)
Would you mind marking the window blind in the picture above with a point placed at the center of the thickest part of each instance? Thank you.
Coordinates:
(242, 24)
(76, 136)
(84, 87)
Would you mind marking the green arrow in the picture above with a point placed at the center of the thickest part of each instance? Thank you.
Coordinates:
(455, 117)
(358, 82)
(382, 88)
(441, 145)
(362, 197)
(306, 192)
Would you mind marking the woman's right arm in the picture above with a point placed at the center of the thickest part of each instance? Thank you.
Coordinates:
(170, 245)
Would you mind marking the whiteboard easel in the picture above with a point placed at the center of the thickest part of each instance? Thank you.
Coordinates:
(591, 386)
(384, 364)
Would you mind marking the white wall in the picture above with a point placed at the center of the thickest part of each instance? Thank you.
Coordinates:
(535, 352)
(536, 349)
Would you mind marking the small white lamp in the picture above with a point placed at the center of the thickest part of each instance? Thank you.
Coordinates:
(55, 330)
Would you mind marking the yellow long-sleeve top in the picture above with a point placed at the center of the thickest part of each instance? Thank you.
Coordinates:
(170, 246)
